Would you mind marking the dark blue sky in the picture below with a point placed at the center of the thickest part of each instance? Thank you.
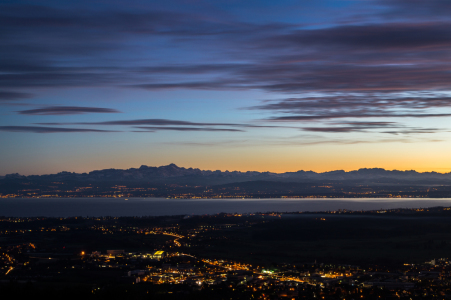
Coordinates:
(238, 85)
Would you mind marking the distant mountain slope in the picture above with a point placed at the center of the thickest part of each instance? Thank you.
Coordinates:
(174, 174)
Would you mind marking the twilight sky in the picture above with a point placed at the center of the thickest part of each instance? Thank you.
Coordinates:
(226, 84)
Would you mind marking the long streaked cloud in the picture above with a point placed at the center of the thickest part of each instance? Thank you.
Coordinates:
(415, 9)
(41, 129)
(391, 36)
(13, 96)
(333, 129)
(412, 131)
(352, 142)
(66, 110)
(393, 129)
(294, 118)
(369, 124)
(395, 68)
(164, 122)
(303, 141)
(350, 102)
(357, 57)
(356, 106)
(156, 122)
(154, 128)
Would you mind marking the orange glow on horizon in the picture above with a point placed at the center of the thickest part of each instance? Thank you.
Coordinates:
(319, 158)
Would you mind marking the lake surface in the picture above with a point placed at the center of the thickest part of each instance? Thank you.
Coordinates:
(96, 207)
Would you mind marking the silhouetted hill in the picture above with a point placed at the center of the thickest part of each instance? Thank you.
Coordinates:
(174, 174)
(174, 181)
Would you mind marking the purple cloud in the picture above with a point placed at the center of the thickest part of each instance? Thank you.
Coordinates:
(157, 122)
(355, 106)
(361, 68)
(66, 110)
(295, 118)
(12, 96)
(154, 128)
(39, 129)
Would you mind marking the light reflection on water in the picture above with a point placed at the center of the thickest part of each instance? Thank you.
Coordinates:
(67, 207)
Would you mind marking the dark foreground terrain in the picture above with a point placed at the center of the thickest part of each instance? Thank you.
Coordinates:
(329, 255)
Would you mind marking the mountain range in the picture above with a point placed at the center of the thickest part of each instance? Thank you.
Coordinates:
(173, 174)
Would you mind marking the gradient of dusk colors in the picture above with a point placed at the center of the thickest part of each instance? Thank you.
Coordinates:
(231, 85)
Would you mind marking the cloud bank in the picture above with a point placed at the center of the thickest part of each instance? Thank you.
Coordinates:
(66, 110)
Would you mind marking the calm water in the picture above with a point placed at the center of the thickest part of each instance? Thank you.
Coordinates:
(67, 207)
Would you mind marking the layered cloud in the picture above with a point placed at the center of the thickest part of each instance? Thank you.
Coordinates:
(390, 64)
(66, 110)
(279, 57)
(393, 129)
(154, 128)
(351, 102)
(13, 96)
(158, 122)
(152, 125)
(330, 109)
(41, 129)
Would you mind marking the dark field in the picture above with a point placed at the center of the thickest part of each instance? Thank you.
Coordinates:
(298, 238)
(338, 239)
(52, 256)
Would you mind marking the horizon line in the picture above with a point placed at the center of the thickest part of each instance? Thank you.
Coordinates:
(223, 171)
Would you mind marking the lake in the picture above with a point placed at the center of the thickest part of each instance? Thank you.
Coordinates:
(97, 207)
